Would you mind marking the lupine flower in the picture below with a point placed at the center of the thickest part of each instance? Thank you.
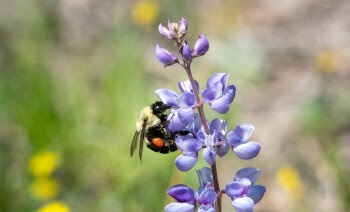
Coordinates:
(205, 194)
(189, 146)
(184, 197)
(186, 52)
(201, 46)
(238, 138)
(243, 191)
(174, 31)
(218, 94)
(164, 56)
(182, 113)
(216, 142)
(182, 28)
(220, 126)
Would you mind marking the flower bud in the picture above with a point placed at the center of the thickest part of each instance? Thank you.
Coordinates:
(186, 52)
(165, 56)
(201, 46)
(163, 31)
(173, 27)
(182, 28)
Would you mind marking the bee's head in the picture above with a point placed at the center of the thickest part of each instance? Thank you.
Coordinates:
(159, 107)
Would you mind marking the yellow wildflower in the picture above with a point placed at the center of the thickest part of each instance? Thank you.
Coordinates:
(43, 164)
(327, 61)
(144, 12)
(54, 207)
(288, 178)
(44, 189)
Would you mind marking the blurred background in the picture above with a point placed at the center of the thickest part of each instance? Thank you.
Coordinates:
(74, 75)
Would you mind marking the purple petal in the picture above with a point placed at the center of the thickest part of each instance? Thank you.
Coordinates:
(189, 145)
(222, 149)
(247, 150)
(186, 52)
(220, 105)
(201, 46)
(206, 208)
(201, 136)
(211, 94)
(186, 86)
(197, 124)
(163, 31)
(181, 193)
(204, 176)
(219, 125)
(165, 56)
(172, 33)
(244, 204)
(230, 93)
(240, 134)
(175, 124)
(186, 161)
(187, 100)
(168, 97)
(186, 116)
(250, 173)
(256, 193)
(218, 80)
(177, 206)
(209, 156)
(236, 189)
(208, 196)
(182, 27)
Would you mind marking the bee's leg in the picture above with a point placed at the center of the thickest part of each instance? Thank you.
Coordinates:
(164, 150)
(172, 147)
(153, 147)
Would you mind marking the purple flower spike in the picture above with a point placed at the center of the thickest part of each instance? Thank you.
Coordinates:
(178, 206)
(201, 46)
(182, 27)
(165, 56)
(186, 52)
(163, 31)
(181, 193)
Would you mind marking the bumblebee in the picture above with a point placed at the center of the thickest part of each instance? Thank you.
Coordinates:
(151, 129)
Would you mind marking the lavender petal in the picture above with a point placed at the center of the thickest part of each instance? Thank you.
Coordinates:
(177, 206)
(181, 193)
(247, 150)
(164, 56)
(244, 204)
(201, 46)
(220, 105)
(186, 161)
(168, 97)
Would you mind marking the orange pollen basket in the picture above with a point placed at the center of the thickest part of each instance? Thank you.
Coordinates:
(158, 142)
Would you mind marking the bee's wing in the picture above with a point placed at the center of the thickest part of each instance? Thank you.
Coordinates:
(134, 143)
(142, 138)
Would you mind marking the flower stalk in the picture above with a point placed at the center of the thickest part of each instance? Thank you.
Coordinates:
(187, 67)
